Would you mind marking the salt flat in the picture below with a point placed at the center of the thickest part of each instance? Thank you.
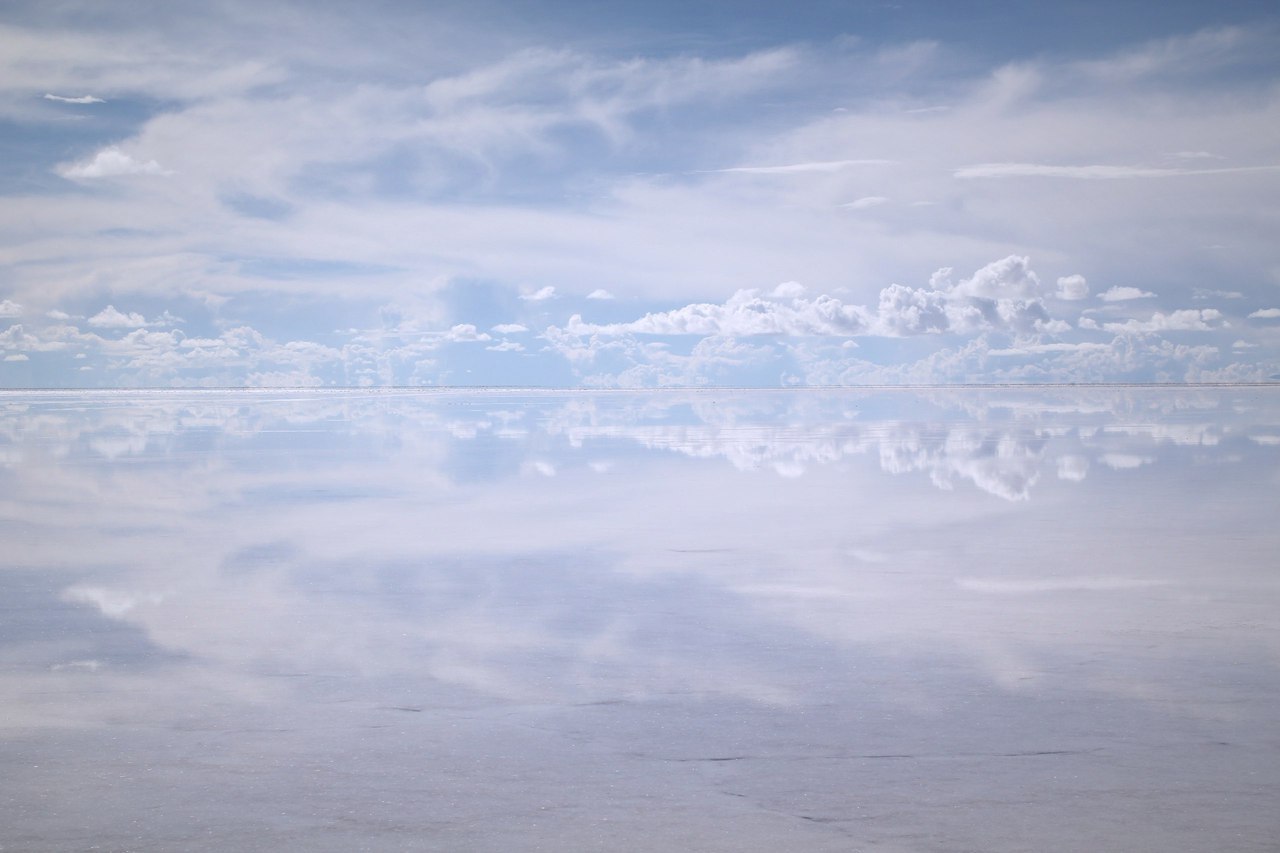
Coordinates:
(987, 619)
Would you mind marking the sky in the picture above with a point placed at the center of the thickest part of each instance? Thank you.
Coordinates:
(617, 194)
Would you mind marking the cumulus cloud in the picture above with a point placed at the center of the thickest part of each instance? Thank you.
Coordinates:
(10, 309)
(745, 313)
(111, 163)
(465, 333)
(540, 295)
(1265, 314)
(506, 346)
(82, 99)
(1121, 293)
(600, 293)
(1003, 295)
(1186, 320)
(16, 357)
(111, 318)
(509, 328)
(1073, 287)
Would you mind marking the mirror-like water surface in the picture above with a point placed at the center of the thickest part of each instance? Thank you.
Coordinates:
(994, 620)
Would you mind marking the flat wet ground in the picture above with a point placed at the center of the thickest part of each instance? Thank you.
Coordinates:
(981, 619)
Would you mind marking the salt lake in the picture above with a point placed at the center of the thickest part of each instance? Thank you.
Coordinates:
(976, 619)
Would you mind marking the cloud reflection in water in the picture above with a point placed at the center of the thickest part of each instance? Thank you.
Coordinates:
(662, 576)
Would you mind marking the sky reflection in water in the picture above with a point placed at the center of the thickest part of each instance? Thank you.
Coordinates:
(978, 619)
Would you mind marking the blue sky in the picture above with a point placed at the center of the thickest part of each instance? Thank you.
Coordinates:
(624, 194)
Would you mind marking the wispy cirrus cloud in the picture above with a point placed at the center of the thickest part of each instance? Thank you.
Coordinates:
(82, 99)
(798, 168)
(1094, 172)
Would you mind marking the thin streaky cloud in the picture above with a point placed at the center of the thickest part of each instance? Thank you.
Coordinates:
(1092, 172)
(866, 202)
(790, 168)
(83, 99)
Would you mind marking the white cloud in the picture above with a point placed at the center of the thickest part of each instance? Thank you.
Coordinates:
(540, 295)
(507, 346)
(1265, 314)
(1073, 287)
(55, 314)
(509, 328)
(16, 357)
(83, 99)
(1073, 468)
(465, 333)
(745, 313)
(1185, 320)
(789, 290)
(1121, 293)
(1195, 155)
(1205, 293)
(866, 202)
(1124, 461)
(10, 309)
(599, 293)
(1043, 349)
(111, 318)
(1003, 294)
(110, 163)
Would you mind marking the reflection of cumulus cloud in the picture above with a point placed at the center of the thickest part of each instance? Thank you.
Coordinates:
(1124, 461)
(388, 570)
(1003, 463)
(1187, 435)
(1073, 468)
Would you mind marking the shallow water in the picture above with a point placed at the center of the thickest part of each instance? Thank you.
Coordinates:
(984, 619)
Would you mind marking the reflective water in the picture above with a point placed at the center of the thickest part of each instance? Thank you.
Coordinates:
(987, 620)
